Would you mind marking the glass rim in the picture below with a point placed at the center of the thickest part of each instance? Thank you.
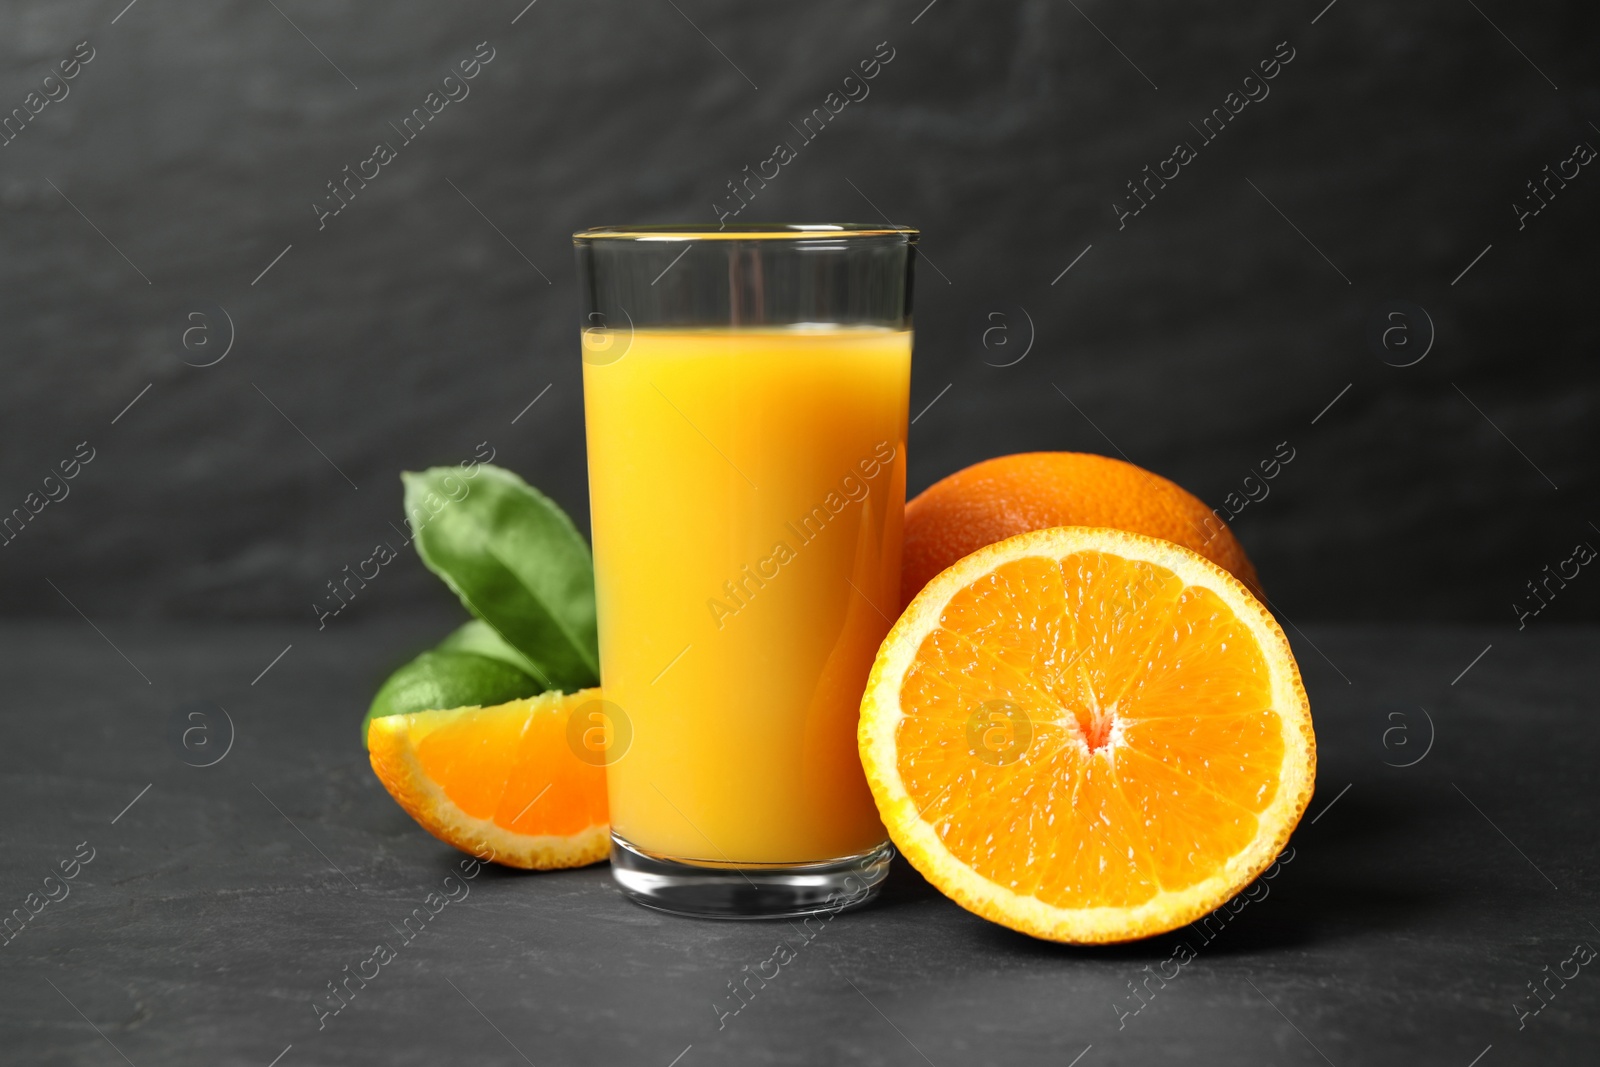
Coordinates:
(747, 231)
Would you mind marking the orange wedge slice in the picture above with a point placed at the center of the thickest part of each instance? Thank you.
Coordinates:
(1087, 735)
(504, 783)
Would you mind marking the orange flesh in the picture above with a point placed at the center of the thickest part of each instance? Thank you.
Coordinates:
(1154, 743)
(515, 769)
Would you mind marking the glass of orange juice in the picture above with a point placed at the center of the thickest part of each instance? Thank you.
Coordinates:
(745, 401)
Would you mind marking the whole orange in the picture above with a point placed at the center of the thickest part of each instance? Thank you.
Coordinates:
(1008, 495)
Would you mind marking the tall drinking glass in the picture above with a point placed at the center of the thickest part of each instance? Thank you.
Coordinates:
(745, 398)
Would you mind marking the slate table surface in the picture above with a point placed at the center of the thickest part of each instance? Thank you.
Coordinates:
(1419, 902)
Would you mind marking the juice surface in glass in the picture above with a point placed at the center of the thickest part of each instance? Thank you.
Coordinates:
(746, 494)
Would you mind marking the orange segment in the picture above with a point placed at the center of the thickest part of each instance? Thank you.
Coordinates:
(577, 788)
(1087, 735)
(1095, 862)
(470, 756)
(499, 782)
(1031, 641)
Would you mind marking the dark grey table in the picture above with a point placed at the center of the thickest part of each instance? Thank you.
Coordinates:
(221, 901)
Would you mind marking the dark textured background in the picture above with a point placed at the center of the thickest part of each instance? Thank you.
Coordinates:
(409, 330)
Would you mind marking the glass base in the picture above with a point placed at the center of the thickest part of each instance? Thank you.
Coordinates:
(760, 891)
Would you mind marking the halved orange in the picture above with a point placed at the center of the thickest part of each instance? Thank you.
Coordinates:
(1087, 735)
(503, 782)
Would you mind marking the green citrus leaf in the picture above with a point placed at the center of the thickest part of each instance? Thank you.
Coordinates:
(438, 680)
(478, 637)
(517, 563)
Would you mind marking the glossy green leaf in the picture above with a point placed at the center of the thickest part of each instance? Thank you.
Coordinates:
(517, 563)
(437, 680)
(478, 637)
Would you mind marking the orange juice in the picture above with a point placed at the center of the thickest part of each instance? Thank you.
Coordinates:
(746, 490)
